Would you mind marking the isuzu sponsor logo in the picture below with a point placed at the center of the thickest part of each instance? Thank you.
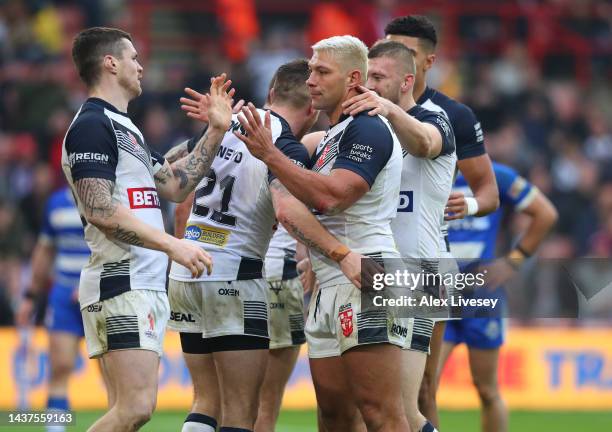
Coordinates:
(143, 198)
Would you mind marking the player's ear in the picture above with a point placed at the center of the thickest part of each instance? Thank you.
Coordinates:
(429, 60)
(355, 79)
(271, 95)
(110, 64)
(407, 83)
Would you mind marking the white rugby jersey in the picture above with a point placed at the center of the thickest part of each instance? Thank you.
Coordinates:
(232, 217)
(367, 146)
(280, 259)
(426, 185)
(102, 142)
(469, 139)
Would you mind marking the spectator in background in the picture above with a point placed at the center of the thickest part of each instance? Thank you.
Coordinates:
(266, 57)
(32, 205)
(11, 252)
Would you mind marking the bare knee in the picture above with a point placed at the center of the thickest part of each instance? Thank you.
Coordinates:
(60, 369)
(488, 392)
(137, 411)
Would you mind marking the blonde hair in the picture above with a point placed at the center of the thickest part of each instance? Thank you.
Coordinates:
(350, 52)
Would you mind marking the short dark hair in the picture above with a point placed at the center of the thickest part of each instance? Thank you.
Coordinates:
(289, 83)
(396, 50)
(417, 26)
(91, 45)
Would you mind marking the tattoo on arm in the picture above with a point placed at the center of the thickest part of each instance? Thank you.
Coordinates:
(293, 228)
(177, 152)
(126, 236)
(182, 176)
(96, 195)
(191, 168)
(299, 235)
(163, 174)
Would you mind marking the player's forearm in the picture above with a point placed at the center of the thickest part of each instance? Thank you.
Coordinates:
(42, 265)
(313, 189)
(413, 135)
(181, 215)
(190, 169)
(177, 152)
(124, 227)
(543, 218)
(478, 173)
(301, 224)
(114, 220)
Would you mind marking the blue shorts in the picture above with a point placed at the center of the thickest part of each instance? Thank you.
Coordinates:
(480, 333)
(64, 313)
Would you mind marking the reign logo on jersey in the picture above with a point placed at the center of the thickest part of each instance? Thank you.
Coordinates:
(145, 197)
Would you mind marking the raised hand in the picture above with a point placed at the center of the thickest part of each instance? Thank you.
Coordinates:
(196, 105)
(258, 138)
(220, 102)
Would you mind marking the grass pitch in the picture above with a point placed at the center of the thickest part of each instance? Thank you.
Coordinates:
(455, 421)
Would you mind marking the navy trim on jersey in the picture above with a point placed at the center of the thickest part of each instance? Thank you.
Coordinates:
(288, 144)
(250, 268)
(365, 147)
(157, 158)
(289, 269)
(91, 143)
(469, 139)
(440, 122)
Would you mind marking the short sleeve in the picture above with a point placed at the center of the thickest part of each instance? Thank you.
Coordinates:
(365, 147)
(514, 190)
(294, 150)
(92, 149)
(158, 161)
(469, 137)
(443, 125)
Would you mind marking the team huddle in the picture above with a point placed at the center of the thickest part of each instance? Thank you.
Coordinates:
(270, 211)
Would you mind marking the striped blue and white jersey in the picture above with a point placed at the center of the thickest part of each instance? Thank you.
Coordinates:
(62, 229)
(475, 237)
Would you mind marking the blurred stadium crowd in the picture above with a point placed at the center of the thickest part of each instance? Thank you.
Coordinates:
(537, 73)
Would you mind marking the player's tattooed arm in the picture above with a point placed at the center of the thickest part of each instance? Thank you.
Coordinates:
(303, 226)
(96, 195)
(300, 222)
(175, 181)
(100, 209)
(177, 152)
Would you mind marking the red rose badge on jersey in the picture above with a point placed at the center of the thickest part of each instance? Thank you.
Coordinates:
(346, 319)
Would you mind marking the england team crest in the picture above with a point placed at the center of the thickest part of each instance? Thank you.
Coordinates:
(346, 319)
